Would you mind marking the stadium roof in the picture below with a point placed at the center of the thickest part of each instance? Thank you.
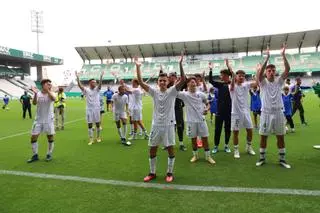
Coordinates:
(229, 45)
(11, 57)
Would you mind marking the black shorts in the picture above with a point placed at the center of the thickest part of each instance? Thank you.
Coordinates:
(101, 112)
(108, 101)
(60, 107)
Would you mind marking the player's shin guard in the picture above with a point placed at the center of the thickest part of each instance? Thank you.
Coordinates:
(90, 131)
(34, 147)
(124, 133)
(262, 153)
(282, 154)
(50, 147)
(152, 164)
(120, 132)
(171, 160)
(98, 132)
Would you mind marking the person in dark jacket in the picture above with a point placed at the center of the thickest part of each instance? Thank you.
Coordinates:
(223, 114)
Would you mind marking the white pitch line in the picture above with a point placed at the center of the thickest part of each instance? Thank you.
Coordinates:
(278, 191)
(27, 132)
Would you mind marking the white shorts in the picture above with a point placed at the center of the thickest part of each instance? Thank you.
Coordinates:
(47, 128)
(162, 135)
(197, 129)
(93, 115)
(117, 116)
(240, 121)
(136, 115)
(272, 123)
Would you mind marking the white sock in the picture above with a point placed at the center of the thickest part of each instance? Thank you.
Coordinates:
(98, 132)
(170, 164)
(207, 153)
(120, 132)
(263, 153)
(131, 127)
(181, 143)
(236, 147)
(124, 130)
(50, 147)
(35, 148)
(90, 131)
(152, 163)
(195, 153)
(249, 143)
(282, 153)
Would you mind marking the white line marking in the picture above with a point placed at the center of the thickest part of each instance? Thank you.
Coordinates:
(165, 186)
(27, 132)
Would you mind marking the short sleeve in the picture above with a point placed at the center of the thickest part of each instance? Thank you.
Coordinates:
(152, 91)
(173, 91)
(181, 95)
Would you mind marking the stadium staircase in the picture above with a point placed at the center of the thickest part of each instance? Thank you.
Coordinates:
(11, 89)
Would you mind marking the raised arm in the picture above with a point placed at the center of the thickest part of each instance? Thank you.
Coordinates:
(140, 80)
(214, 83)
(260, 72)
(35, 91)
(100, 81)
(78, 81)
(205, 88)
(285, 74)
(182, 80)
(233, 76)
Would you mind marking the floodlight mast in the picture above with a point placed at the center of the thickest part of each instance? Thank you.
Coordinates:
(37, 24)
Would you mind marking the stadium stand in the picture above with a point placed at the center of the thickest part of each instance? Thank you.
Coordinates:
(11, 89)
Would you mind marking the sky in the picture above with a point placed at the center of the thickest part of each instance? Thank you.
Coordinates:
(68, 24)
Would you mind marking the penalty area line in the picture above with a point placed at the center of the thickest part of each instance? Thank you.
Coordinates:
(277, 191)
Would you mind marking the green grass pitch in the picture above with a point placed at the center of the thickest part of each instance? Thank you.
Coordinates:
(110, 160)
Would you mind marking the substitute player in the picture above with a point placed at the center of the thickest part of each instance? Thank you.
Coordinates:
(240, 111)
(5, 102)
(272, 119)
(44, 120)
(196, 122)
(255, 104)
(287, 103)
(108, 94)
(93, 106)
(59, 108)
(163, 122)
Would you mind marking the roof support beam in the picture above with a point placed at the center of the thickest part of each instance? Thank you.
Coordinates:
(141, 52)
(99, 56)
(317, 44)
(128, 52)
(233, 46)
(110, 53)
(286, 39)
(199, 48)
(154, 52)
(247, 49)
(262, 45)
(166, 47)
(301, 41)
(80, 54)
(86, 55)
(173, 53)
(122, 52)
(212, 46)
(218, 46)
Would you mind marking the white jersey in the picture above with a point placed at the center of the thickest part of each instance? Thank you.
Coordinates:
(130, 98)
(240, 98)
(200, 88)
(45, 109)
(271, 94)
(136, 97)
(163, 106)
(92, 98)
(194, 105)
(119, 102)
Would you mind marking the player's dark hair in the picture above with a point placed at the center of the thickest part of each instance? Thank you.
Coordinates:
(163, 75)
(135, 81)
(271, 66)
(191, 78)
(91, 79)
(60, 89)
(225, 72)
(240, 72)
(44, 81)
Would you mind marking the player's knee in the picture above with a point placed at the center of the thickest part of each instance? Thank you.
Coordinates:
(90, 125)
